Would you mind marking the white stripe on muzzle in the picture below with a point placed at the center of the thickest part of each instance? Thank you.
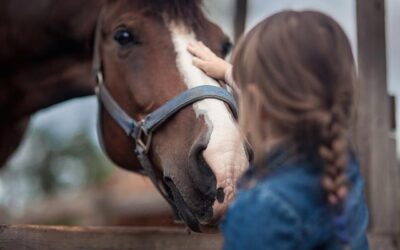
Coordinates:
(225, 153)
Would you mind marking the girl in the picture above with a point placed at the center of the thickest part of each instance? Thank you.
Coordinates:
(296, 75)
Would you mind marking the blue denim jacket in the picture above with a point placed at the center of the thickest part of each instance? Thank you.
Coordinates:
(287, 209)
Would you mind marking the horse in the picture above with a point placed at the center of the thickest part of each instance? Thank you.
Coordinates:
(45, 59)
(195, 155)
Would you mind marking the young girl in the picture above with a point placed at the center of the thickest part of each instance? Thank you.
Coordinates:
(296, 75)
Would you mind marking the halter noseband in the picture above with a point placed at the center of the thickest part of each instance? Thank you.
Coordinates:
(141, 131)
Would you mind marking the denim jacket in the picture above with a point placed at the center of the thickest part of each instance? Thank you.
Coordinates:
(287, 209)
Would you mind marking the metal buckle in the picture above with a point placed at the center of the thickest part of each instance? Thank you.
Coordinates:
(143, 139)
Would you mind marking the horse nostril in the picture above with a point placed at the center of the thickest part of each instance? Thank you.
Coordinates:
(167, 179)
(200, 172)
(220, 195)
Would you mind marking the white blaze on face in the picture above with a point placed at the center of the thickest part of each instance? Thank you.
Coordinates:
(225, 153)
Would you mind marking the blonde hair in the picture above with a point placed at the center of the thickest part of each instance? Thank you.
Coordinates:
(297, 75)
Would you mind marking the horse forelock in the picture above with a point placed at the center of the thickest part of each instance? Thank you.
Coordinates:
(188, 12)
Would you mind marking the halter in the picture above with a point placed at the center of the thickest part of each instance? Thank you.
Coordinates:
(141, 131)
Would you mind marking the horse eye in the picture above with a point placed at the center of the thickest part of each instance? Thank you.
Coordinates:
(226, 48)
(125, 37)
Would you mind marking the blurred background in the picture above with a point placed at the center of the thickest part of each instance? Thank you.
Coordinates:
(59, 174)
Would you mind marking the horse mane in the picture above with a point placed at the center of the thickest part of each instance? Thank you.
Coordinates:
(187, 11)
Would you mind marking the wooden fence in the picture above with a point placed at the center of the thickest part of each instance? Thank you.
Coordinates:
(376, 143)
(104, 238)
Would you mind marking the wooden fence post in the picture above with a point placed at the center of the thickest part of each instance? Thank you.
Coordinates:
(376, 146)
(240, 18)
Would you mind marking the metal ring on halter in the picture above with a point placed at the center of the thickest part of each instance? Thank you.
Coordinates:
(142, 138)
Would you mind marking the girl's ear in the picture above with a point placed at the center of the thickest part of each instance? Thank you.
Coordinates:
(253, 120)
(256, 102)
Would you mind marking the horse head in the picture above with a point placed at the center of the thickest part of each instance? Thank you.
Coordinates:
(198, 154)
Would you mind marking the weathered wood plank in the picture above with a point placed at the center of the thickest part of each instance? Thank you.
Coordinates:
(240, 18)
(382, 242)
(377, 148)
(101, 238)
(393, 112)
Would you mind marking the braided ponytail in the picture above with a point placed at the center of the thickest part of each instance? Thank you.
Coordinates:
(334, 151)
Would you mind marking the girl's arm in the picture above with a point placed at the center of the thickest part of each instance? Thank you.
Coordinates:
(211, 64)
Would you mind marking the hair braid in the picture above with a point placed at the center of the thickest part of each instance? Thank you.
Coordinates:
(333, 150)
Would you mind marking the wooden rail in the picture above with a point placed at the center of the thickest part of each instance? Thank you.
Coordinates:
(107, 238)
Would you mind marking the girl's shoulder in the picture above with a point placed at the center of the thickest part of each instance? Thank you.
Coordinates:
(263, 197)
(299, 184)
(291, 202)
(259, 217)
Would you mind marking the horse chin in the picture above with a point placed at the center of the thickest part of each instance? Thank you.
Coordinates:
(187, 216)
(182, 209)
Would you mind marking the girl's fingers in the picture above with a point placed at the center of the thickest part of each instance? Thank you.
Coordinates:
(200, 50)
(205, 50)
(199, 63)
(192, 49)
(195, 50)
(204, 47)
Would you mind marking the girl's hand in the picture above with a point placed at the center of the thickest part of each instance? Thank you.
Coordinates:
(206, 60)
